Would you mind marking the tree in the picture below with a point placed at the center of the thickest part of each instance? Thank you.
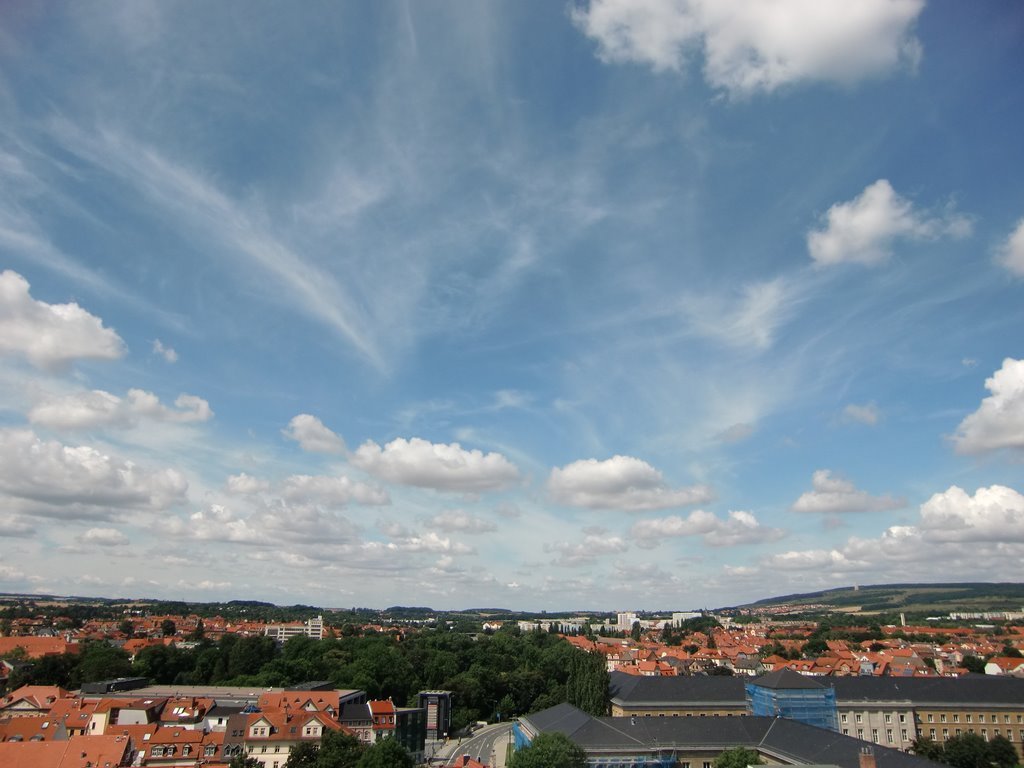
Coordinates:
(1001, 752)
(968, 750)
(928, 749)
(738, 757)
(974, 664)
(1011, 652)
(587, 684)
(549, 750)
(302, 756)
(244, 761)
(168, 628)
(126, 627)
(199, 632)
(338, 750)
(634, 631)
(386, 753)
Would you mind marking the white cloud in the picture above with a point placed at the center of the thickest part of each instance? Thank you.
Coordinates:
(312, 436)
(863, 230)
(751, 318)
(73, 481)
(999, 421)
(460, 521)
(271, 525)
(739, 528)
(332, 490)
(993, 514)
(621, 482)
(96, 408)
(750, 47)
(15, 526)
(834, 495)
(591, 548)
(104, 537)
(868, 413)
(979, 537)
(1010, 253)
(431, 542)
(244, 484)
(50, 336)
(439, 466)
(167, 353)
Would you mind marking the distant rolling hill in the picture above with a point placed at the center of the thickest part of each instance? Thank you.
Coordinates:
(911, 598)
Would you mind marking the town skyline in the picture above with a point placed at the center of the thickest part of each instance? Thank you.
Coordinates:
(528, 304)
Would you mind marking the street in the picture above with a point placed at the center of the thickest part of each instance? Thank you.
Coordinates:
(488, 745)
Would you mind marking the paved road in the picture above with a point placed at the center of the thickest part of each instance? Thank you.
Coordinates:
(488, 745)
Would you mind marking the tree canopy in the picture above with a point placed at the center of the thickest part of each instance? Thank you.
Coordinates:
(738, 757)
(549, 750)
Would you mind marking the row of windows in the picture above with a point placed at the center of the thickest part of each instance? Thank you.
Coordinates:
(984, 733)
(968, 716)
(860, 717)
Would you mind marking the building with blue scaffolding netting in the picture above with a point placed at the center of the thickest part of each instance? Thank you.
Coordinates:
(794, 696)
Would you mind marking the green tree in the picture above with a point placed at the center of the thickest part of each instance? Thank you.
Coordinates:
(1001, 752)
(244, 761)
(738, 757)
(1011, 652)
(549, 750)
(926, 748)
(634, 631)
(168, 628)
(99, 661)
(126, 627)
(303, 756)
(338, 750)
(974, 664)
(587, 684)
(386, 753)
(968, 750)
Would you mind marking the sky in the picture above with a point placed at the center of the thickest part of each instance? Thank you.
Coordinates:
(596, 305)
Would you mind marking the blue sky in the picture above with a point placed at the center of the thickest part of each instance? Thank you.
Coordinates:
(600, 304)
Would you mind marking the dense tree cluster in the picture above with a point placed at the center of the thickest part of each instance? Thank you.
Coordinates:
(501, 675)
(969, 750)
(549, 750)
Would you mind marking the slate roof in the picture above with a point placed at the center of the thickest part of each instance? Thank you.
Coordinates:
(982, 690)
(786, 740)
(786, 679)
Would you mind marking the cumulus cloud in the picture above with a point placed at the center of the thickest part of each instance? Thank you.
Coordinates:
(332, 491)
(81, 481)
(868, 414)
(979, 537)
(993, 514)
(738, 528)
(834, 495)
(999, 421)
(50, 336)
(751, 47)
(96, 408)
(443, 467)
(244, 484)
(1010, 253)
(621, 482)
(458, 521)
(312, 436)
(594, 545)
(864, 229)
(270, 525)
(103, 537)
(167, 353)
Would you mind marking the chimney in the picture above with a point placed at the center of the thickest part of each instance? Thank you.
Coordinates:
(867, 757)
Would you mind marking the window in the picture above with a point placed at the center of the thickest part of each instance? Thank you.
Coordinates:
(903, 718)
(186, 750)
(860, 718)
(945, 733)
(860, 733)
(942, 717)
(956, 718)
(1006, 718)
(846, 731)
(984, 733)
(931, 734)
(903, 734)
(874, 735)
(888, 718)
(931, 718)
(968, 717)
(888, 735)
(842, 718)
(981, 717)
(957, 732)
(210, 750)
